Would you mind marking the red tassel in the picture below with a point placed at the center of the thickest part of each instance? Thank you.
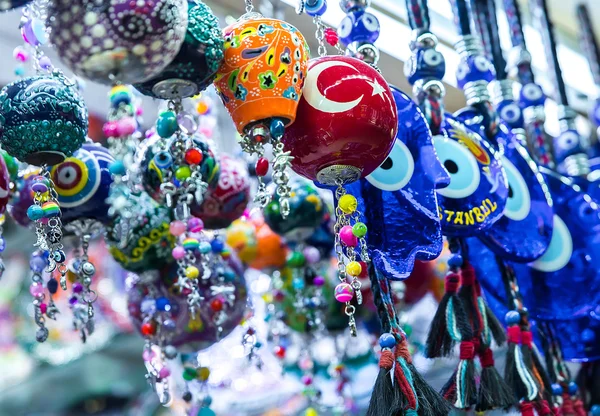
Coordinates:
(486, 358)
(514, 334)
(579, 407)
(567, 407)
(402, 352)
(543, 408)
(527, 409)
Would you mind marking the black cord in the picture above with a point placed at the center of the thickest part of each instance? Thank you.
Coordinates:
(461, 16)
(588, 42)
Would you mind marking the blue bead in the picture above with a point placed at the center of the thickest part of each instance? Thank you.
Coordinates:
(596, 410)
(166, 125)
(35, 213)
(19, 71)
(37, 263)
(163, 160)
(148, 306)
(258, 344)
(229, 275)
(387, 341)
(557, 389)
(359, 26)
(455, 261)
(52, 286)
(204, 247)
(277, 128)
(59, 256)
(512, 318)
(298, 284)
(315, 7)
(573, 388)
(163, 304)
(217, 246)
(120, 98)
(207, 401)
(588, 336)
(117, 168)
(2, 244)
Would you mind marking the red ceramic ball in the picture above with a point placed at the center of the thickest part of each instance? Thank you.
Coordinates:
(346, 117)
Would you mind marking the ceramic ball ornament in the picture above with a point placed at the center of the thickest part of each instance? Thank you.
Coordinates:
(197, 62)
(117, 40)
(6, 5)
(43, 119)
(346, 121)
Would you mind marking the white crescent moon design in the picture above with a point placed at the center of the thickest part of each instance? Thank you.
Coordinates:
(313, 96)
(560, 250)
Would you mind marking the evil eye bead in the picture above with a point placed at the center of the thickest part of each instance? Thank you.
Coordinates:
(396, 171)
(163, 160)
(518, 204)
(78, 178)
(461, 165)
(40, 184)
(431, 57)
(511, 114)
(59, 256)
(566, 144)
(315, 7)
(345, 29)
(532, 95)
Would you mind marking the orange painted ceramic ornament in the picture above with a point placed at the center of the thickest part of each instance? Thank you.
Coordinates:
(272, 251)
(241, 237)
(263, 71)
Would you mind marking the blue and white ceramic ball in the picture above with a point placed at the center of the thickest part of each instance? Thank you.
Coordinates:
(43, 119)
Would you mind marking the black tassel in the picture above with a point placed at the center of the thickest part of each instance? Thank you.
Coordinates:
(497, 330)
(461, 389)
(430, 401)
(539, 368)
(385, 395)
(494, 392)
(439, 342)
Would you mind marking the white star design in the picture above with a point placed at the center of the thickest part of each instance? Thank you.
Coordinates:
(377, 89)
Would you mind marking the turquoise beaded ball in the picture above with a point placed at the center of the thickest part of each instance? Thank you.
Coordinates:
(197, 62)
(43, 119)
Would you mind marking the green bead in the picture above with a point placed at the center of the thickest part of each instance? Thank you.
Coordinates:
(296, 260)
(182, 173)
(166, 125)
(408, 330)
(11, 165)
(359, 229)
(189, 373)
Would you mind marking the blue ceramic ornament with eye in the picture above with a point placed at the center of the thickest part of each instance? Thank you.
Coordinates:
(478, 190)
(398, 200)
(510, 112)
(474, 68)
(82, 183)
(359, 26)
(531, 95)
(425, 63)
(566, 144)
(579, 338)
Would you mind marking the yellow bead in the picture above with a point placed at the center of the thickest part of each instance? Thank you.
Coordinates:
(203, 373)
(311, 412)
(347, 204)
(192, 272)
(353, 268)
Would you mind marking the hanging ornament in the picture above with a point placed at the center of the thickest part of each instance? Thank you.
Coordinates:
(12, 4)
(22, 197)
(307, 210)
(122, 127)
(241, 237)
(118, 41)
(197, 62)
(359, 30)
(228, 200)
(138, 235)
(260, 83)
(32, 130)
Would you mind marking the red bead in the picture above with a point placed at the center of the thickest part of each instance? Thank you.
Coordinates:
(258, 138)
(250, 331)
(193, 156)
(262, 166)
(331, 36)
(43, 308)
(148, 329)
(279, 351)
(216, 305)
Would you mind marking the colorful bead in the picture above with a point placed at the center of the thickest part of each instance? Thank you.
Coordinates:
(178, 253)
(311, 412)
(177, 228)
(353, 268)
(311, 254)
(279, 351)
(191, 244)
(163, 304)
(359, 229)
(36, 290)
(203, 373)
(331, 36)
(148, 329)
(20, 54)
(166, 125)
(164, 372)
(217, 245)
(192, 272)
(189, 373)
(348, 204)
(344, 292)
(52, 286)
(117, 168)
(387, 340)
(347, 237)
(43, 308)
(163, 160)
(51, 209)
(40, 184)
(195, 225)
(319, 281)
(512, 318)
(296, 260)
(204, 247)
(216, 305)
(77, 287)
(182, 173)
(277, 128)
(262, 166)
(193, 156)
(35, 213)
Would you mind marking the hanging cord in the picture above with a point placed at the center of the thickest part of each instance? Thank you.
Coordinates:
(418, 14)
(588, 42)
(542, 18)
(488, 9)
(522, 58)
(481, 21)
(461, 16)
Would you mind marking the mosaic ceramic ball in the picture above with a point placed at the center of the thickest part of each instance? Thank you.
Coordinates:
(42, 119)
(82, 183)
(199, 58)
(124, 41)
(187, 333)
(143, 241)
(154, 169)
(12, 4)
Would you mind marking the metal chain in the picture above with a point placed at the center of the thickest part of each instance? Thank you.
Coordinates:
(320, 35)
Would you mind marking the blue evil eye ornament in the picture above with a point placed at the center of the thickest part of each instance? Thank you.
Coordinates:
(476, 196)
(400, 194)
(474, 68)
(195, 66)
(43, 119)
(83, 182)
(425, 63)
(579, 338)
(566, 144)
(359, 26)
(532, 95)
(510, 112)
